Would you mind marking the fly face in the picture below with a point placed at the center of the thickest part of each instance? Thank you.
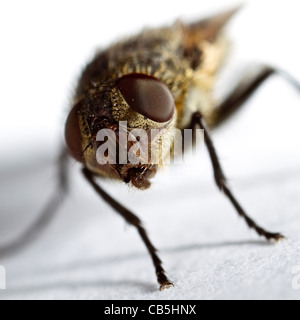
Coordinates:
(134, 106)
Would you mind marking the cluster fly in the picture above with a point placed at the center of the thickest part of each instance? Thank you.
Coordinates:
(161, 79)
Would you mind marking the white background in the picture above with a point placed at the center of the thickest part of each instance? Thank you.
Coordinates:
(87, 252)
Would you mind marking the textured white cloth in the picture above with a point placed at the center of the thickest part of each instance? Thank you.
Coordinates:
(89, 252)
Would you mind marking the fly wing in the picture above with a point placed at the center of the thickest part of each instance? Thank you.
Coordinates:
(208, 29)
(203, 31)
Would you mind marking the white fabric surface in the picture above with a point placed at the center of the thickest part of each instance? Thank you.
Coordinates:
(88, 252)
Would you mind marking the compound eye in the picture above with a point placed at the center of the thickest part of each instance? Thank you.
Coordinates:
(147, 96)
(73, 134)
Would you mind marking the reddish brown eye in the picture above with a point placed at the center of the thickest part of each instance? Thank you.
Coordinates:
(147, 96)
(73, 135)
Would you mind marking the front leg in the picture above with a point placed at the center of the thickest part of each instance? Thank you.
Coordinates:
(198, 121)
(132, 219)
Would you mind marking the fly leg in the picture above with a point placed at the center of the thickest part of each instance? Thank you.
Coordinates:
(243, 91)
(47, 214)
(133, 220)
(221, 181)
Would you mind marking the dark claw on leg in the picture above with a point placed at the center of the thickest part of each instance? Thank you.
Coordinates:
(166, 285)
(273, 236)
(164, 282)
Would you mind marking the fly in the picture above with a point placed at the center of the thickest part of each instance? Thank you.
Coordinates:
(161, 79)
